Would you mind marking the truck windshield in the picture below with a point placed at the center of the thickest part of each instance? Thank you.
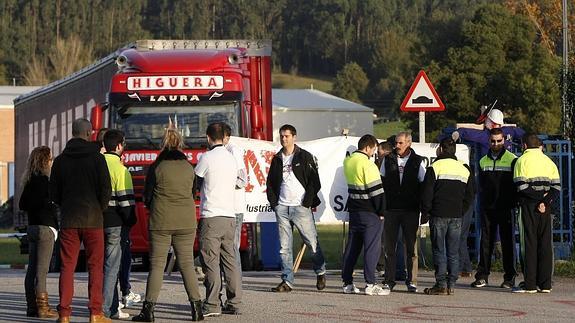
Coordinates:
(144, 126)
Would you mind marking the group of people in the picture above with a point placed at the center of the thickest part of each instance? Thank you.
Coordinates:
(87, 197)
(403, 194)
(84, 197)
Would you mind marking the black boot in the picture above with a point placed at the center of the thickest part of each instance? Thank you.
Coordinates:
(147, 313)
(31, 306)
(197, 314)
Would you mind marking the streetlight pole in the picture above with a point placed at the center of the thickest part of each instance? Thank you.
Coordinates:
(566, 113)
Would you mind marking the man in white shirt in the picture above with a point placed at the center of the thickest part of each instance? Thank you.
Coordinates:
(292, 187)
(240, 193)
(217, 172)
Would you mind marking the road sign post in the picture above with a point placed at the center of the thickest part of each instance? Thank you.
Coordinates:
(421, 126)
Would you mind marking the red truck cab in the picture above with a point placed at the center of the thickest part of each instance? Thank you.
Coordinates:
(192, 88)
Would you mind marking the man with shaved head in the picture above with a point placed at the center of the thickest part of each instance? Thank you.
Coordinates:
(80, 185)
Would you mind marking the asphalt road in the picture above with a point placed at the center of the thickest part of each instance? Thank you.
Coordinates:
(306, 304)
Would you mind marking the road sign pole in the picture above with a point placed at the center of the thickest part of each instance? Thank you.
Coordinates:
(422, 127)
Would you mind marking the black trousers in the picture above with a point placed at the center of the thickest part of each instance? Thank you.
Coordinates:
(408, 222)
(537, 237)
(490, 222)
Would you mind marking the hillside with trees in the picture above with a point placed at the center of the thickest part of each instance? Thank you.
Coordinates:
(474, 51)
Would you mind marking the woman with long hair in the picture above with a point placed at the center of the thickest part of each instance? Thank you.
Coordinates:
(168, 194)
(42, 231)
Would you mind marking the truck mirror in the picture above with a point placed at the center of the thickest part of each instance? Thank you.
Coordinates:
(256, 117)
(96, 117)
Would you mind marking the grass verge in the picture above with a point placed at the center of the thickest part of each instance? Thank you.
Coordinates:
(10, 252)
(289, 81)
(387, 129)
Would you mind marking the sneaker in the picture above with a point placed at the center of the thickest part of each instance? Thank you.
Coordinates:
(545, 291)
(210, 312)
(120, 315)
(131, 299)
(283, 287)
(320, 284)
(478, 283)
(507, 284)
(200, 273)
(436, 290)
(230, 310)
(523, 290)
(521, 284)
(411, 287)
(450, 291)
(350, 289)
(389, 285)
(376, 290)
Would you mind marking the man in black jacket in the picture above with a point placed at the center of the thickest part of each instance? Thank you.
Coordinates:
(80, 185)
(402, 173)
(498, 198)
(446, 193)
(292, 187)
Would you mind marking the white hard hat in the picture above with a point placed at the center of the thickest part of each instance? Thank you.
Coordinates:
(496, 116)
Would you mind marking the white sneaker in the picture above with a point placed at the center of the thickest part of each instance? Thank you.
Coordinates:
(131, 299)
(350, 289)
(120, 315)
(376, 290)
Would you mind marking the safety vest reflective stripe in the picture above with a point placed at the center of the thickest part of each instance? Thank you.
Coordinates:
(121, 181)
(452, 177)
(450, 169)
(362, 176)
(502, 164)
(536, 171)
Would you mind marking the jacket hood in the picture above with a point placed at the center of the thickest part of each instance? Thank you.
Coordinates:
(80, 148)
(172, 154)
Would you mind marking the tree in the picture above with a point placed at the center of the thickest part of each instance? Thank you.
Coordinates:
(499, 57)
(64, 58)
(351, 82)
(37, 72)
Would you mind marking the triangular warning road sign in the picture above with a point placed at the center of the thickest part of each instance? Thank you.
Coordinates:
(422, 96)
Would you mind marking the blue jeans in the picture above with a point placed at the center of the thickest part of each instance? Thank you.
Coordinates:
(126, 265)
(112, 260)
(445, 235)
(302, 218)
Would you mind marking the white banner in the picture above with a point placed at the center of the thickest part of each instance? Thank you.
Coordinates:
(330, 153)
